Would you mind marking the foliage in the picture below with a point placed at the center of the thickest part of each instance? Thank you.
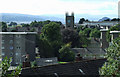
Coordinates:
(25, 25)
(113, 28)
(70, 35)
(62, 62)
(45, 48)
(39, 23)
(80, 28)
(83, 41)
(33, 64)
(66, 54)
(6, 63)
(12, 23)
(32, 30)
(87, 31)
(51, 32)
(4, 26)
(95, 33)
(81, 21)
(112, 66)
(115, 19)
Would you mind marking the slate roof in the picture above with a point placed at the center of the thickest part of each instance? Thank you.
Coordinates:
(88, 67)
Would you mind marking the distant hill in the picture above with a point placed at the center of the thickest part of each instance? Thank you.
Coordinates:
(25, 18)
(104, 18)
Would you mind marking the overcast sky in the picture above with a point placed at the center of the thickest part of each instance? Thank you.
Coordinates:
(40, 7)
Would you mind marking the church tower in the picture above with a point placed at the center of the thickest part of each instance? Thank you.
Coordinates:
(70, 20)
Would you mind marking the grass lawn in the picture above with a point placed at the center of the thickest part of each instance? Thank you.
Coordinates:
(62, 62)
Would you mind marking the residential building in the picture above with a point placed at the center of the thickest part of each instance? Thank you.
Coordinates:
(17, 45)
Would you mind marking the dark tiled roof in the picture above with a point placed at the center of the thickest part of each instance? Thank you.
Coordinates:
(90, 67)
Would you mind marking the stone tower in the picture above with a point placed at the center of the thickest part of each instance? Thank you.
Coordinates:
(70, 20)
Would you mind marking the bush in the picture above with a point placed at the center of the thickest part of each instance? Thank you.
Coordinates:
(6, 63)
(66, 54)
(112, 66)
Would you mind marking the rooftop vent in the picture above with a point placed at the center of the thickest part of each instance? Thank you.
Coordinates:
(81, 71)
(56, 75)
(48, 61)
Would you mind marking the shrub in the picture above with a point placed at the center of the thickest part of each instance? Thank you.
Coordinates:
(66, 54)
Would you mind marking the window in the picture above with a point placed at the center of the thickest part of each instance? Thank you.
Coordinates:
(3, 41)
(11, 41)
(18, 47)
(11, 35)
(16, 53)
(3, 54)
(2, 47)
(11, 53)
(11, 47)
(18, 42)
(18, 36)
(16, 62)
(68, 21)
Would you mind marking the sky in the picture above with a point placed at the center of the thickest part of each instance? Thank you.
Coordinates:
(42, 7)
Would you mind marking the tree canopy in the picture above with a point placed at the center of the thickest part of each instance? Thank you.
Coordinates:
(51, 33)
(66, 54)
(70, 35)
(112, 66)
(95, 33)
(113, 28)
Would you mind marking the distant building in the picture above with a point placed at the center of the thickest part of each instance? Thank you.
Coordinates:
(17, 45)
(102, 25)
(70, 20)
(104, 42)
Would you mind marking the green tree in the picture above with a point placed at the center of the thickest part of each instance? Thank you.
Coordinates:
(95, 33)
(12, 23)
(81, 21)
(87, 31)
(84, 41)
(70, 35)
(51, 32)
(66, 54)
(4, 26)
(25, 25)
(112, 66)
(113, 28)
(80, 28)
(45, 48)
(5, 66)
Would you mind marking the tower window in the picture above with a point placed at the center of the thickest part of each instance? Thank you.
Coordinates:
(68, 21)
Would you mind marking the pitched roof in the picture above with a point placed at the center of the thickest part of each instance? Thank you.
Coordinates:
(89, 67)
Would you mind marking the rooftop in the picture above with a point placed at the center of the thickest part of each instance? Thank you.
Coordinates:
(104, 30)
(114, 31)
(18, 32)
(88, 67)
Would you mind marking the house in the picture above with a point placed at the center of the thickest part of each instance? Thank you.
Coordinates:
(103, 24)
(17, 45)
